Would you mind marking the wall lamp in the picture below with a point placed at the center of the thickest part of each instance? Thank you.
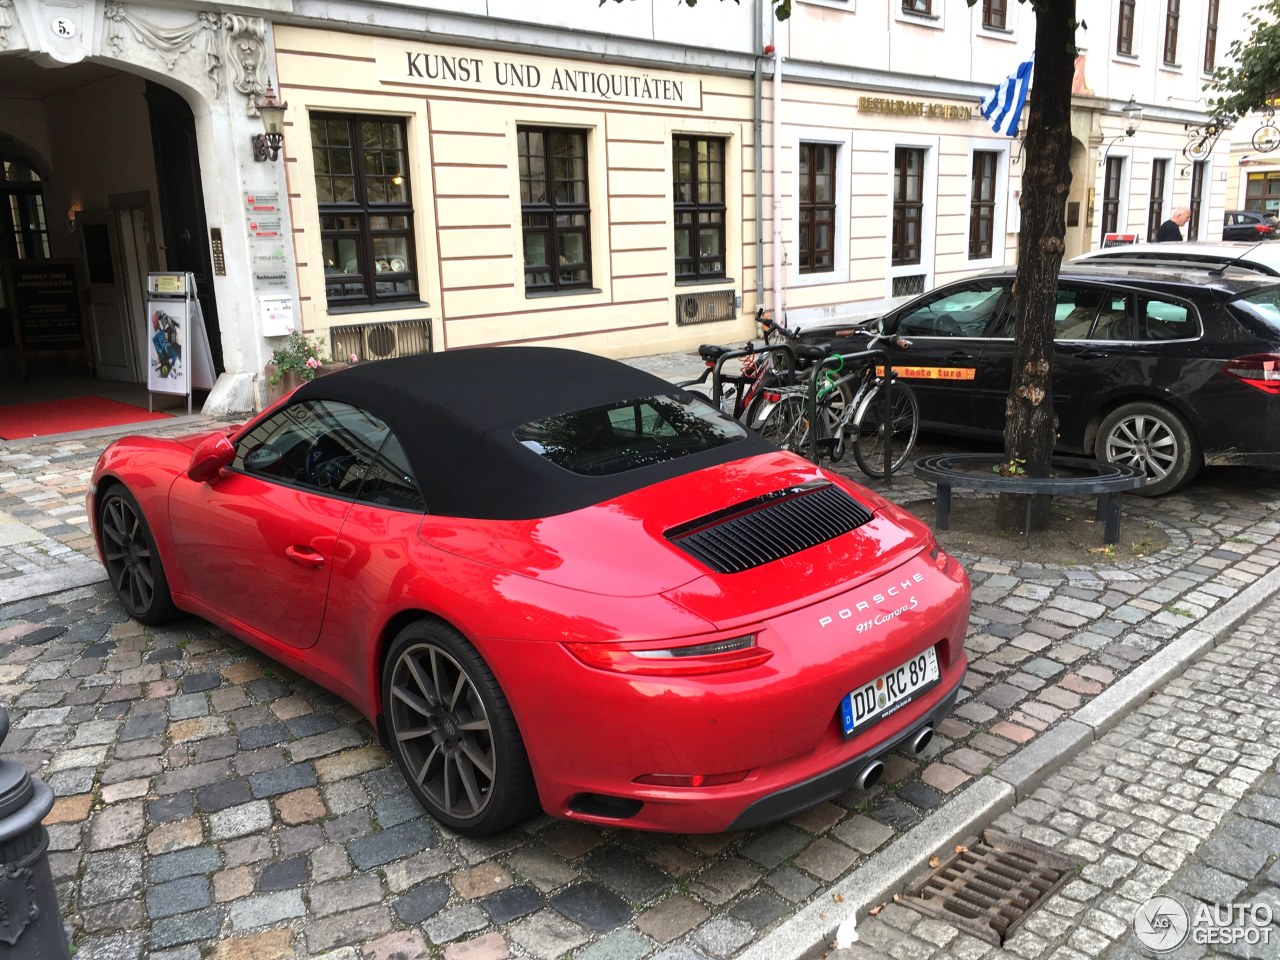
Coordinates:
(266, 146)
(1132, 114)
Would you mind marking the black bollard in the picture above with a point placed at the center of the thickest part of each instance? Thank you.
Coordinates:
(30, 922)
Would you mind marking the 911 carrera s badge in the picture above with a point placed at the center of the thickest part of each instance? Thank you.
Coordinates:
(884, 595)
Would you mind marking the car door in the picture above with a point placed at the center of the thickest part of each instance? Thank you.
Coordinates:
(1090, 323)
(947, 330)
(257, 543)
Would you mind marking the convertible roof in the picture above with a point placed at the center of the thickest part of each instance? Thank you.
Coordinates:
(455, 413)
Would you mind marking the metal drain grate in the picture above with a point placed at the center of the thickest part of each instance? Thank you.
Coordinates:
(990, 885)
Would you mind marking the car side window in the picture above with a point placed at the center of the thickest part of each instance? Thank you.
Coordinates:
(389, 481)
(315, 444)
(1074, 312)
(1163, 320)
(967, 312)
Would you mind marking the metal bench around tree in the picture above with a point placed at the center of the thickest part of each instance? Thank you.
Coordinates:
(1072, 475)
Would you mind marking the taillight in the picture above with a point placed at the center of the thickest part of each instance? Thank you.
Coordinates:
(716, 656)
(1259, 370)
(1264, 228)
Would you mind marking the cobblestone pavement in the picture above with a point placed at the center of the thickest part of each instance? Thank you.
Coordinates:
(211, 804)
(1182, 798)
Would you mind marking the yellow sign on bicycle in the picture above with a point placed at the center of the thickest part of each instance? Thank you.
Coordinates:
(931, 373)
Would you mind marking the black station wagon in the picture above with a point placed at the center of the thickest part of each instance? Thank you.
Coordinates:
(1162, 369)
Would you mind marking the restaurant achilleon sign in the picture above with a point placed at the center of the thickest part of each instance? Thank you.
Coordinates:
(465, 69)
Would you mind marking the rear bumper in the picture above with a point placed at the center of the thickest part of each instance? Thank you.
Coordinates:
(791, 800)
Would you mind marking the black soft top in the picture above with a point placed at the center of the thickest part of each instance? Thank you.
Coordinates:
(455, 413)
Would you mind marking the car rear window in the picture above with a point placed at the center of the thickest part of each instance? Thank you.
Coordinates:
(1262, 306)
(606, 440)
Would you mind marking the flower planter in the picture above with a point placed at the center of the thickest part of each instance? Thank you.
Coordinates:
(290, 380)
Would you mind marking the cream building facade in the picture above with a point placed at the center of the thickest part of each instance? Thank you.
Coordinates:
(625, 179)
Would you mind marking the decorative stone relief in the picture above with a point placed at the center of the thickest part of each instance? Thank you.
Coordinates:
(202, 34)
(6, 21)
(247, 51)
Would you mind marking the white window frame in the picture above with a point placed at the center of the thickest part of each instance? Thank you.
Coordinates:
(931, 21)
(1126, 200)
(928, 215)
(1000, 213)
(843, 142)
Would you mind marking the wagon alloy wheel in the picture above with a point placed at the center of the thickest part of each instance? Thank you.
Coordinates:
(1153, 439)
(132, 561)
(452, 732)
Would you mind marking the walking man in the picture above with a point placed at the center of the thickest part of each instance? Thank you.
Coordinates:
(1171, 229)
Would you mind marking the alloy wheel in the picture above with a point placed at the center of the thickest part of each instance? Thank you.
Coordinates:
(1144, 442)
(444, 733)
(128, 554)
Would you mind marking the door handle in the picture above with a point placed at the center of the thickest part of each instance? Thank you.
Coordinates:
(1091, 355)
(304, 556)
(959, 355)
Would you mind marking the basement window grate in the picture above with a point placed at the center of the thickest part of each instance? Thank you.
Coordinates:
(990, 885)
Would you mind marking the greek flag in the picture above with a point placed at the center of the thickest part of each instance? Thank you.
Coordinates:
(1004, 106)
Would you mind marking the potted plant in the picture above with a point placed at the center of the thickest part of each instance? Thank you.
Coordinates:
(295, 360)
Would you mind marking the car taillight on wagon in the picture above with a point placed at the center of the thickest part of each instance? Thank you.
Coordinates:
(1258, 370)
(1264, 229)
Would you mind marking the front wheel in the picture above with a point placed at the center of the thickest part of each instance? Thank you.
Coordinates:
(132, 561)
(453, 733)
(1154, 439)
(868, 432)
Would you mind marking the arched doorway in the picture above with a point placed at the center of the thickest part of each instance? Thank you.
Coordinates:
(1079, 202)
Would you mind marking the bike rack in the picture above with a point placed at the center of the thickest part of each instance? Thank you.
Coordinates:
(838, 360)
(782, 348)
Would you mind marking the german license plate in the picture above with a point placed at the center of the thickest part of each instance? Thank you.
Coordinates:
(882, 696)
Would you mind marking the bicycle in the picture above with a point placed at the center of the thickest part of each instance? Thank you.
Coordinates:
(862, 419)
(774, 365)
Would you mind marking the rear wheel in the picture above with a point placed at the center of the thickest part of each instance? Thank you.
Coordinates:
(453, 733)
(132, 561)
(787, 424)
(1154, 439)
(868, 431)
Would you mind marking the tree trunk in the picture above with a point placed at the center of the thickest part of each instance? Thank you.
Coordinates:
(1030, 426)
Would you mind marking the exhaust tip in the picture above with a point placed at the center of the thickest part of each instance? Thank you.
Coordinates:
(922, 739)
(870, 775)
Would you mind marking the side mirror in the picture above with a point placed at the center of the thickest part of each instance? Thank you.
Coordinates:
(210, 457)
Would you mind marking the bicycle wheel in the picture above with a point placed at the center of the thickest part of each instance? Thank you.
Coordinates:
(867, 429)
(787, 425)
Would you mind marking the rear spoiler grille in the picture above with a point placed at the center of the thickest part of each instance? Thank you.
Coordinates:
(769, 528)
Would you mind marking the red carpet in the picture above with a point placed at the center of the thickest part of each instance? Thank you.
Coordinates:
(65, 416)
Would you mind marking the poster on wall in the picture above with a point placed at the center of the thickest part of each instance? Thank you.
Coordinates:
(167, 324)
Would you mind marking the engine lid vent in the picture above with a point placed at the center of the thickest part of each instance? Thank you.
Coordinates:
(771, 527)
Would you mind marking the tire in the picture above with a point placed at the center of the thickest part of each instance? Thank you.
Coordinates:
(867, 432)
(1154, 439)
(787, 425)
(461, 754)
(132, 561)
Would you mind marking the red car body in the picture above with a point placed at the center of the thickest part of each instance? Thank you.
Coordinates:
(558, 606)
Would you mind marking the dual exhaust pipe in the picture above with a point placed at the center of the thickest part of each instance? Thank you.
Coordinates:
(874, 770)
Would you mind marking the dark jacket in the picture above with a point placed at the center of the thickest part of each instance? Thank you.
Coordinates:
(1168, 231)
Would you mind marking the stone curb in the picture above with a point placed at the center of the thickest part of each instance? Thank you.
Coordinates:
(808, 933)
(78, 573)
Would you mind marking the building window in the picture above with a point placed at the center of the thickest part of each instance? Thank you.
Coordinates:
(1171, 33)
(698, 181)
(1111, 195)
(1211, 36)
(1124, 31)
(1155, 207)
(24, 234)
(1198, 171)
(554, 209)
(918, 6)
(366, 213)
(994, 14)
(982, 204)
(908, 204)
(1262, 192)
(817, 207)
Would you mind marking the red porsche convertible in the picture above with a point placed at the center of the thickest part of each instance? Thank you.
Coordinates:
(549, 578)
